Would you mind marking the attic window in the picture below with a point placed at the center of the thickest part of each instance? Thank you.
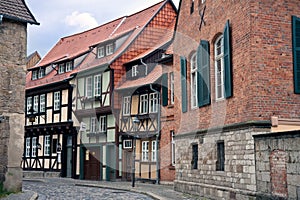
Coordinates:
(69, 66)
(61, 68)
(41, 73)
(65, 67)
(134, 71)
(34, 75)
(100, 52)
(109, 49)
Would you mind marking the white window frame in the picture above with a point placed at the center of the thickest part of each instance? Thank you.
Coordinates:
(100, 52)
(36, 103)
(126, 105)
(34, 143)
(61, 68)
(109, 49)
(102, 124)
(153, 151)
(97, 85)
(69, 66)
(145, 151)
(153, 102)
(34, 75)
(194, 79)
(29, 104)
(56, 100)
(144, 104)
(127, 144)
(42, 103)
(89, 86)
(27, 147)
(172, 92)
(219, 74)
(47, 150)
(41, 73)
(134, 71)
(173, 148)
(93, 125)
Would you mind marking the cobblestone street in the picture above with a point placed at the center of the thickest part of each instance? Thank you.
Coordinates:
(66, 189)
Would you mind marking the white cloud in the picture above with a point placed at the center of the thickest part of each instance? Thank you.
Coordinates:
(81, 20)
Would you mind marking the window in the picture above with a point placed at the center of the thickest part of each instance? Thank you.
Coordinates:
(153, 103)
(102, 124)
(194, 81)
(36, 103)
(29, 104)
(173, 148)
(109, 49)
(34, 75)
(195, 156)
(41, 73)
(220, 156)
(296, 52)
(27, 147)
(100, 52)
(172, 92)
(97, 85)
(93, 128)
(61, 68)
(33, 153)
(219, 68)
(145, 151)
(144, 104)
(47, 145)
(192, 6)
(153, 151)
(126, 105)
(56, 100)
(42, 103)
(183, 84)
(127, 144)
(89, 87)
(69, 66)
(134, 71)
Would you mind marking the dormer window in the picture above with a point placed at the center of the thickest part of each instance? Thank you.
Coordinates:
(100, 52)
(41, 73)
(61, 68)
(69, 66)
(109, 49)
(34, 75)
(134, 71)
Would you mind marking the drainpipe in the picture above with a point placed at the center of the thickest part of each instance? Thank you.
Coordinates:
(157, 137)
(146, 71)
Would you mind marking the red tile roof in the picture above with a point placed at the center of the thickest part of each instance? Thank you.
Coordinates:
(153, 76)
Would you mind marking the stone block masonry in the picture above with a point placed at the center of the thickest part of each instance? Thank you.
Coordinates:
(12, 85)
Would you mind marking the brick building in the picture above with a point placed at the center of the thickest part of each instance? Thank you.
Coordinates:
(236, 69)
(14, 17)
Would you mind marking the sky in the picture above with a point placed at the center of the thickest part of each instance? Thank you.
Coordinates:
(61, 18)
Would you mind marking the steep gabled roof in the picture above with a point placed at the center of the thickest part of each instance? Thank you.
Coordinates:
(16, 10)
(72, 46)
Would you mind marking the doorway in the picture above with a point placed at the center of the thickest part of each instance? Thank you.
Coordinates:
(92, 164)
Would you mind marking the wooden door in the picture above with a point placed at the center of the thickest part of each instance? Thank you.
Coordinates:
(92, 164)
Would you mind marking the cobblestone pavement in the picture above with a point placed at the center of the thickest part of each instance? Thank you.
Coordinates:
(66, 189)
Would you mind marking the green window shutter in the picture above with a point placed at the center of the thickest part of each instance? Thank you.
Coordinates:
(227, 61)
(183, 84)
(164, 85)
(203, 73)
(296, 53)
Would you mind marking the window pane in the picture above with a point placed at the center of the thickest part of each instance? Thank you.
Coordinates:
(89, 87)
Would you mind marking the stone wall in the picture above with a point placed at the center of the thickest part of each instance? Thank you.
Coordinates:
(278, 165)
(237, 181)
(13, 42)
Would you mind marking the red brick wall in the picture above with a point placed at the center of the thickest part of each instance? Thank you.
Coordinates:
(261, 61)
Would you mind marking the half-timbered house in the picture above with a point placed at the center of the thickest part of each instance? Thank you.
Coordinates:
(97, 106)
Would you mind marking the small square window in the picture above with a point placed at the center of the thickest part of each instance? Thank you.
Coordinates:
(61, 68)
(34, 75)
(69, 66)
(127, 144)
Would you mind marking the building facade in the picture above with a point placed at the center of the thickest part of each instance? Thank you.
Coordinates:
(235, 66)
(14, 17)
